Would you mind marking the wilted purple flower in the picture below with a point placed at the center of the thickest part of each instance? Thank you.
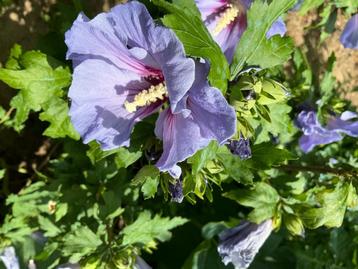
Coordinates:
(226, 20)
(176, 191)
(240, 245)
(127, 68)
(315, 134)
(349, 37)
(9, 258)
(240, 148)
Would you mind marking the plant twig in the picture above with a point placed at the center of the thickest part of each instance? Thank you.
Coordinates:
(318, 169)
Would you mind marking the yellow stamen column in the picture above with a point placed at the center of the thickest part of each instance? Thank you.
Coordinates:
(147, 97)
(228, 16)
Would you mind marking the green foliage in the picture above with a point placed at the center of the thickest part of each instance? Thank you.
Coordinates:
(331, 206)
(197, 41)
(145, 230)
(254, 48)
(104, 209)
(262, 197)
(41, 89)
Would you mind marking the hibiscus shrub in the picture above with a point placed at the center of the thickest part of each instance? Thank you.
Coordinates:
(179, 134)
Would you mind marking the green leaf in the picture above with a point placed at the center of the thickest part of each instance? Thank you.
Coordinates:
(124, 156)
(262, 197)
(41, 88)
(49, 228)
(281, 125)
(80, 242)
(330, 207)
(212, 229)
(56, 113)
(149, 188)
(266, 155)
(146, 229)
(202, 157)
(239, 170)
(197, 41)
(146, 172)
(253, 42)
(272, 52)
(205, 256)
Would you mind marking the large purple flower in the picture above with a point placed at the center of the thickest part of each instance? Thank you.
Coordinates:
(226, 21)
(127, 68)
(314, 134)
(349, 37)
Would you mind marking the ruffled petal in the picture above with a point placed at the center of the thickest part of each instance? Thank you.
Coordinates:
(136, 28)
(181, 139)
(209, 108)
(98, 93)
(349, 37)
(96, 39)
(211, 118)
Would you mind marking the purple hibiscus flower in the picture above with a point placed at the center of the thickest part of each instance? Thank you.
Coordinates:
(127, 68)
(349, 37)
(226, 21)
(239, 245)
(315, 134)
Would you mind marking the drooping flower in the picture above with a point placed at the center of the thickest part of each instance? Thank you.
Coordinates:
(9, 258)
(240, 147)
(349, 37)
(127, 68)
(239, 245)
(226, 20)
(315, 134)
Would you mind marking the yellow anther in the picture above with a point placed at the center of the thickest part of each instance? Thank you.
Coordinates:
(147, 97)
(228, 16)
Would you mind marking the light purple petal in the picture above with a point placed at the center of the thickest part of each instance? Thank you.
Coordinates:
(348, 127)
(98, 92)
(348, 115)
(211, 118)
(96, 39)
(239, 245)
(277, 28)
(181, 139)
(9, 258)
(349, 37)
(136, 28)
(308, 142)
(209, 108)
